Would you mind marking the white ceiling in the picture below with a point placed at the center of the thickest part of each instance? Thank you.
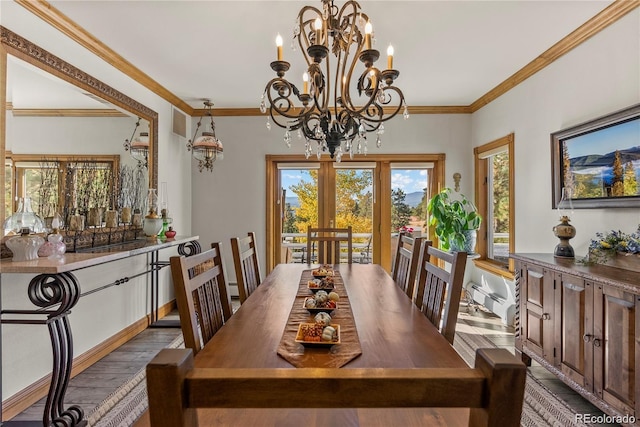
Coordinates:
(448, 52)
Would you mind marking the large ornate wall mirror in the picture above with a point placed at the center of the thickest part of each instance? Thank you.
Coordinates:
(56, 114)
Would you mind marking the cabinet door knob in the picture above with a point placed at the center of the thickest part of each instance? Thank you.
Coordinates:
(596, 342)
(586, 337)
(546, 316)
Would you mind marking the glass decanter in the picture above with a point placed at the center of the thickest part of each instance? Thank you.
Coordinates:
(25, 246)
(24, 217)
(152, 221)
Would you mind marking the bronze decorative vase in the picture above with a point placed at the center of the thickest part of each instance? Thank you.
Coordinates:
(564, 231)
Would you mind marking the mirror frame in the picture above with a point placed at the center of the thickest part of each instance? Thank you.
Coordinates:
(21, 48)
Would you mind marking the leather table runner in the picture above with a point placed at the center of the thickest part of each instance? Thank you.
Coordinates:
(320, 357)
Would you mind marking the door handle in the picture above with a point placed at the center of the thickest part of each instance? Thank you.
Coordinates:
(546, 316)
(587, 337)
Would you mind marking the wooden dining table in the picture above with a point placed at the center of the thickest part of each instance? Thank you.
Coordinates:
(392, 332)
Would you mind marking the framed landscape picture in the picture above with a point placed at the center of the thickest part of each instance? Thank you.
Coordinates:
(598, 162)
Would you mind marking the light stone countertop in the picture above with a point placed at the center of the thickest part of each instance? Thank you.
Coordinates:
(90, 257)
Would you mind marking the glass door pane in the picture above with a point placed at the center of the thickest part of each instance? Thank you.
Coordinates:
(409, 198)
(354, 207)
(299, 206)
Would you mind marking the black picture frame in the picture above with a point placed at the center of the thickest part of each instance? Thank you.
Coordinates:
(586, 160)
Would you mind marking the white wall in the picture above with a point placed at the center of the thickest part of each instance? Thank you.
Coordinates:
(599, 77)
(71, 135)
(231, 200)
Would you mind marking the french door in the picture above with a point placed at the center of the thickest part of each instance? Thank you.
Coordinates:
(366, 194)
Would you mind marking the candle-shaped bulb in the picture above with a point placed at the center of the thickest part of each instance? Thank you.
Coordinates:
(368, 29)
(279, 46)
(317, 25)
(372, 75)
(390, 57)
(305, 83)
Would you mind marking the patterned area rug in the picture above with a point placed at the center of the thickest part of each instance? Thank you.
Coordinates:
(541, 407)
(125, 405)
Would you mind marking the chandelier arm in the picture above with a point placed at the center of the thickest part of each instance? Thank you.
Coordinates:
(213, 125)
(379, 107)
(354, 32)
(303, 49)
(327, 94)
(192, 140)
(288, 121)
(348, 104)
(339, 86)
(397, 108)
(306, 26)
(357, 10)
(130, 140)
(285, 90)
(372, 96)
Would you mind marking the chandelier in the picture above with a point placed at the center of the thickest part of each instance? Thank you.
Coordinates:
(207, 148)
(138, 147)
(337, 106)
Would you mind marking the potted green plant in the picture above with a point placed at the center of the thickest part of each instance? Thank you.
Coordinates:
(455, 221)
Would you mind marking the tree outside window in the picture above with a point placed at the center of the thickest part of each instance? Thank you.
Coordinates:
(495, 197)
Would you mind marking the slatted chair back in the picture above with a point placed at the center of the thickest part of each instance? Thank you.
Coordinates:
(493, 389)
(407, 260)
(201, 291)
(328, 244)
(247, 266)
(438, 295)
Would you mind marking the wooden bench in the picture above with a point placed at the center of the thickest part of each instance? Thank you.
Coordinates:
(494, 389)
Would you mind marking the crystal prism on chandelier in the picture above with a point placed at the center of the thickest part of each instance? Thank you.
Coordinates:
(338, 106)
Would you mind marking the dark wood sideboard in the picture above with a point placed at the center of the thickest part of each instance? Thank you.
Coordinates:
(581, 322)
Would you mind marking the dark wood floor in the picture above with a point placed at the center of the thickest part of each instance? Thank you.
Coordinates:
(92, 386)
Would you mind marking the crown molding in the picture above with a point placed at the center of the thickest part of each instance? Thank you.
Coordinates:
(606, 17)
(66, 112)
(57, 19)
(593, 26)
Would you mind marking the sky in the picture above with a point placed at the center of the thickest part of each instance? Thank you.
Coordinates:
(408, 180)
(625, 135)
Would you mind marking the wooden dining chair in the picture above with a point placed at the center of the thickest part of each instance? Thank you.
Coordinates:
(493, 388)
(327, 243)
(247, 266)
(201, 291)
(406, 262)
(438, 295)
